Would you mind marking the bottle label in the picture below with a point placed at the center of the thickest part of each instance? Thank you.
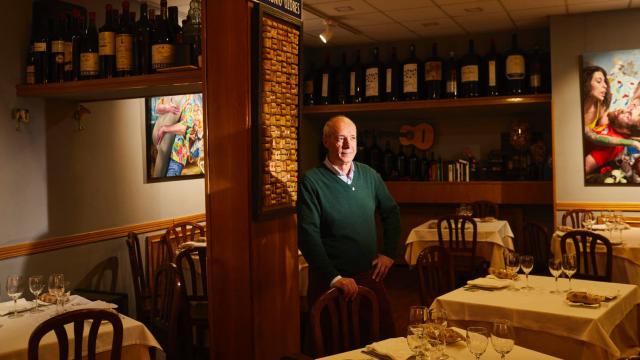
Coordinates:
(410, 78)
(452, 87)
(492, 73)
(57, 46)
(325, 85)
(162, 55)
(308, 87)
(515, 67)
(124, 52)
(534, 81)
(469, 73)
(39, 46)
(433, 71)
(371, 88)
(106, 43)
(352, 83)
(68, 49)
(31, 74)
(89, 64)
(388, 80)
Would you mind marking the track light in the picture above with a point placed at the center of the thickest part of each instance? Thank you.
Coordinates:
(328, 31)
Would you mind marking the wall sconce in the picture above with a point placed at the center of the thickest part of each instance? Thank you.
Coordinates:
(21, 116)
(327, 34)
(78, 117)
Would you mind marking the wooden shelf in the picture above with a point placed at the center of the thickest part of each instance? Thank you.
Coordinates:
(174, 83)
(501, 192)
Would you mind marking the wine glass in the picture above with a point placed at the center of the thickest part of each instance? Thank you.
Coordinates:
(14, 290)
(418, 315)
(437, 321)
(526, 263)
(36, 283)
(477, 340)
(56, 288)
(555, 268)
(619, 221)
(512, 263)
(416, 339)
(609, 222)
(502, 337)
(588, 220)
(569, 266)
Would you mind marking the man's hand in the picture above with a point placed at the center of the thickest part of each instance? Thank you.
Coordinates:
(161, 132)
(348, 286)
(381, 266)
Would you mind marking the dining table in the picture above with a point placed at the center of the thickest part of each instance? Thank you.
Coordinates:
(15, 332)
(493, 237)
(547, 322)
(626, 252)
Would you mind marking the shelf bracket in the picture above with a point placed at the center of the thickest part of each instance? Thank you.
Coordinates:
(21, 116)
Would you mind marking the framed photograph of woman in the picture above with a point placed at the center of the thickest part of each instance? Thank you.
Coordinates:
(175, 147)
(610, 98)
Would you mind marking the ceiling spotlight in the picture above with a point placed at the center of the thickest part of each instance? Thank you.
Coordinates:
(328, 31)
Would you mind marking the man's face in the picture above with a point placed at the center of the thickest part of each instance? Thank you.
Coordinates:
(341, 143)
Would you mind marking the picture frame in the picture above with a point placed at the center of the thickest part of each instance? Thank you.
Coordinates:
(174, 137)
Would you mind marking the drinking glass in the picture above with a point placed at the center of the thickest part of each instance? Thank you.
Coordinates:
(620, 224)
(555, 268)
(526, 263)
(14, 290)
(418, 315)
(512, 263)
(588, 220)
(416, 339)
(477, 340)
(502, 337)
(569, 266)
(36, 283)
(437, 321)
(609, 222)
(56, 288)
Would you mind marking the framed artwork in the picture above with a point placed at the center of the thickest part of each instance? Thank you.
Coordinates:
(610, 99)
(174, 137)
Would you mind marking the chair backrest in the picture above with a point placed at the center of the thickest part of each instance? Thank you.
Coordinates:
(341, 321)
(455, 227)
(157, 253)
(575, 216)
(435, 273)
(536, 242)
(78, 318)
(166, 308)
(587, 246)
(192, 267)
(484, 208)
(182, 232)
(140, 287)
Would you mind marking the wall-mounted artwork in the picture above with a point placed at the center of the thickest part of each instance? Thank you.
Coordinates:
(175, 146)
(611, 117)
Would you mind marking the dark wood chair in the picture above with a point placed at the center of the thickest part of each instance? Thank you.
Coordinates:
(435, 273)
(78, 318)
(167, 310)
(537, 243)
(484, 208)
(182, 232)
(192, 267)
(141, 289)
(157, 253)
(575, 216)
(337, 324)
(585, 244)
(462, 250)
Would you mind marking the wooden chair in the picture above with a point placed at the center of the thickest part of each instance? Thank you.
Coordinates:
(461, 250)
(166, 310)
(78, 318)
(576, 216)
(182, 232)
(192, 267)
(536, 242)
(484, 208)
(140, 287)
(157, 253)
(585, 244)
(435, 273)
(341, 321)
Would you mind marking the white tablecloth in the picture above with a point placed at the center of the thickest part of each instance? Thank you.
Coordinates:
(545, 322)
(14, 335)
(493, 237)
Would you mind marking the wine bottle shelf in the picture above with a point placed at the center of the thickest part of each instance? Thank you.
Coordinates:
(501, 192)
(173, 83)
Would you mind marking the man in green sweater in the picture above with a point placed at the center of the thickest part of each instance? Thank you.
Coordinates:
(336, 222)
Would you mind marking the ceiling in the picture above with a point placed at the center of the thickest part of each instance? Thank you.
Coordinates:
(366, 21)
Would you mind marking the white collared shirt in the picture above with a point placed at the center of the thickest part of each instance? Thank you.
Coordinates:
(348, 177)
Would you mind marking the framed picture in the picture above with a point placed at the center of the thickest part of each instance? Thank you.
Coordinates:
(174, 133)
(610, 121)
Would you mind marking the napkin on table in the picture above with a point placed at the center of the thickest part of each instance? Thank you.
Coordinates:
(21, 305)
(394, 348)
(490, 282)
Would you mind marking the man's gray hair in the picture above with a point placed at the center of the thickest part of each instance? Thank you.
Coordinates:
(327, 130)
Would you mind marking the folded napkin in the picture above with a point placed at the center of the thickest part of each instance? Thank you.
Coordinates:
(21, 305)
(393, 348)
(599, 227)
(490, 283)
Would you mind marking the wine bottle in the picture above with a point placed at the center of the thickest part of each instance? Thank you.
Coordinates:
(325, 80)
(413, 165)
(56, 58)
(41, 50)
(76, 40)
(373, 78)
(433, 74)
(410, 76)
(423, 167)
(401, 163)
(375, 155)
(176, 29)
(107, 45)
(362, 155)
(124, 44)
(342, 81)
(388, 162)
(491, 70)
(152, 18)
(163, 52)
(392, 78)
(30, 70)
(515, 68)
(469, 73)
(68, 34)
(356, 80)
(142, 47)
(451, 72)
(89, 58)
(535, 71)
(308, 97)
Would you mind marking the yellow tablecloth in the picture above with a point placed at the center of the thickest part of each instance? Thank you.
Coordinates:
(493, 237)
(545, 322)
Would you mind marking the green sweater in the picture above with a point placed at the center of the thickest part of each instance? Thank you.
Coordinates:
(336, 221)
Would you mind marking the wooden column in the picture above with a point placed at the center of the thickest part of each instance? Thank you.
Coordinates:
(253, 289)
